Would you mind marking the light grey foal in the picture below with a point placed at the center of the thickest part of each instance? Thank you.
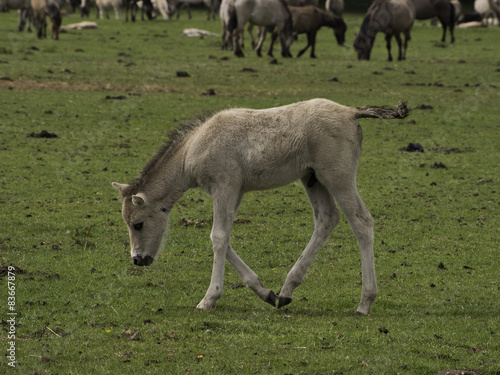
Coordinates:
(240, 150)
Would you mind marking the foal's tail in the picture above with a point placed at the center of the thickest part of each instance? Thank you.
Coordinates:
(401, 111)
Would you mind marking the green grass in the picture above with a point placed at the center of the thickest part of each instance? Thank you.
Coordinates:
(83, 308)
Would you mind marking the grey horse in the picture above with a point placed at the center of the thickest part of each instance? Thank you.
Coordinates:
(240, 150)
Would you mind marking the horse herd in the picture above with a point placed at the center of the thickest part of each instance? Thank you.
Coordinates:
(284, 19)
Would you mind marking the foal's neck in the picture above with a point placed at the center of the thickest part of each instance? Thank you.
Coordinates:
(168, 182)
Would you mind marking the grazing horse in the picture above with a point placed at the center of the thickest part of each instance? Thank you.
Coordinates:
(444, 10)
(267, 13)
(309, 19)
(240, 150)
(24, 8)
(392, 17)
(41, 9)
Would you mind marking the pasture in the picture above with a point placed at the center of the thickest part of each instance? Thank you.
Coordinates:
(111, 94)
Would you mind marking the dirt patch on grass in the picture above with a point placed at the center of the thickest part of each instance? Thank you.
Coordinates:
(11, 84)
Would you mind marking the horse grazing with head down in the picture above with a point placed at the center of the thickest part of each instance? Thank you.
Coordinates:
(309, 19)
(240, 150)
(392, 17)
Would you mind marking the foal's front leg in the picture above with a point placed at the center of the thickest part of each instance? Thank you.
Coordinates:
(224, 213)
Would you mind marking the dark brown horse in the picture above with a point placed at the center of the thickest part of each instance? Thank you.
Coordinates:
(444, 10)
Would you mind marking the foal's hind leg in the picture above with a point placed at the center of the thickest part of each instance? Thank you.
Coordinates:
(326, 217)
(346, 195)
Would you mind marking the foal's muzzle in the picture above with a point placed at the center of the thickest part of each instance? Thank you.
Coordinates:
(140, 261)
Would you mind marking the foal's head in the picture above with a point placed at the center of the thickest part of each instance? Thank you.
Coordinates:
(147, 223)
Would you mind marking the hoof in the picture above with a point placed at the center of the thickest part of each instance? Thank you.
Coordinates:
(358, 313)
(283, 301)
(271, 298)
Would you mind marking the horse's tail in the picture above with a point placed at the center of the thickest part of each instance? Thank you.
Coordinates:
(452, 15)
(233, 19)
(401, 111)
(53, 11)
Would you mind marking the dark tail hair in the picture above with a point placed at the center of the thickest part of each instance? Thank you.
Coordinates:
(452, 20)
(53, 10)
(401, 111)
(233, 19)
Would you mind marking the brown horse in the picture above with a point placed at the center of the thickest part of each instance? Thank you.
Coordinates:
(444, 10)
(392, 17)
(308, 20)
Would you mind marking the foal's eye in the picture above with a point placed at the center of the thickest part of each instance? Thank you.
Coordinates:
(138, 226)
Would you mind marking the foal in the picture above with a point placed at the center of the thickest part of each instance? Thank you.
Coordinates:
(240, 150)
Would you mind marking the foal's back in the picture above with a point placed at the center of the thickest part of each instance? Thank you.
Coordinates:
(266, 148)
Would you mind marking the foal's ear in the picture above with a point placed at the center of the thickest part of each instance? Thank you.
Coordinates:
(119, 187)
(138, 199)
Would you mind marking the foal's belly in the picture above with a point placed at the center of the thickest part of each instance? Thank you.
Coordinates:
(268, 179)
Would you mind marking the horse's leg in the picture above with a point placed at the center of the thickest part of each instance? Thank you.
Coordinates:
(260, 41)
(407, 39)
(225, 33)
(225, 206)
(250, 35)
(285, 51)
(445, 23)
(29, 15)
(250, 278)
(452, 22)
(306, 47)
(236, 42)
(345, 193)
(443, 38)
(326, 217)
(312, 42)
(388, 37)
(22, 19)
(402, 52)
(274, 36)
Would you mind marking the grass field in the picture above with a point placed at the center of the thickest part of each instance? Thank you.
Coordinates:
(110, 95)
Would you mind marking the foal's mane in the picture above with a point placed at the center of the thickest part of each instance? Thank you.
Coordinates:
(174, 138)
